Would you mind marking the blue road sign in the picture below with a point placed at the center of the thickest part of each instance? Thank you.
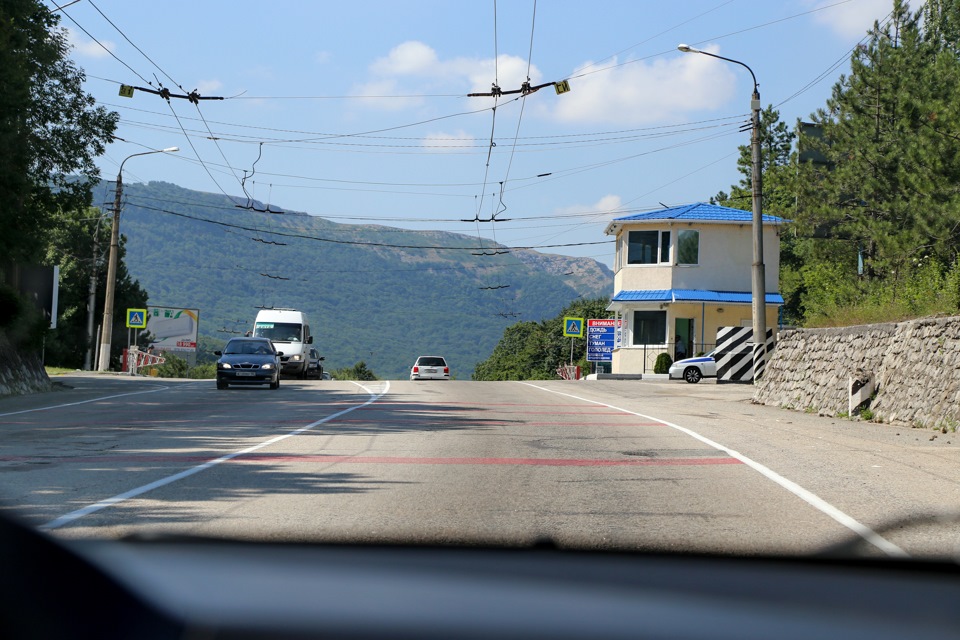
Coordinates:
(600, 340)
(136, 318)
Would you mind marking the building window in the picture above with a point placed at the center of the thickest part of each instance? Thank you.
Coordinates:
(648, 247)
(649, 327)
(688, 247)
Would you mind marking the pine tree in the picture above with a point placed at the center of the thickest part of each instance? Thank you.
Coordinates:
(865, 195)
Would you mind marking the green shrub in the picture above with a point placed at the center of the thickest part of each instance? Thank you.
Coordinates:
(206, 371)
(359, 371)
(662, 365)
(174, 367)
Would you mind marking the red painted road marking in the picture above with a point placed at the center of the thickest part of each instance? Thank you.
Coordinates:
(335, 459)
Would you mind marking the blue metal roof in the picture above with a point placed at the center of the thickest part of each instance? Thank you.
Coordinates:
(699, 212)
(691, 295)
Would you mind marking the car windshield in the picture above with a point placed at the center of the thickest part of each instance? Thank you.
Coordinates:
(278, 331)
(248, 347)
(498, 227)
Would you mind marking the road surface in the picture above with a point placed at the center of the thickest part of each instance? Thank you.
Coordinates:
(612, 464)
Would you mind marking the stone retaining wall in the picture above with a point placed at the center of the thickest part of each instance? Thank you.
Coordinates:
(20, 374)
(916, 365)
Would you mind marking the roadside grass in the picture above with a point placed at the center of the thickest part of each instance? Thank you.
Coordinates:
(872, 313)
(57, 371)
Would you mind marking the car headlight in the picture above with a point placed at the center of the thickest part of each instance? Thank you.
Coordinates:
(267, 366)
(296, 358)
(224, 365)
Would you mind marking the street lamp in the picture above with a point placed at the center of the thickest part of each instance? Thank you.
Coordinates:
(758, 271)
(107, 334)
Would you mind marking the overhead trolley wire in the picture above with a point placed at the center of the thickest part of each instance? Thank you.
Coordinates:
(120, 31)
(103, 46)
(682, 126)
(358, 242)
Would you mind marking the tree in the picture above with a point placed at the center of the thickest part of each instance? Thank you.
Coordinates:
(881, 211)
(777, 157)
(776, 144)
(534, 350)
(50, 129)
(71, 246)
(889, 187)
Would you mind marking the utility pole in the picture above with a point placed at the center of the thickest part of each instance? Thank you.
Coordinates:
(758, 271)
(106, 337)
(92, 300)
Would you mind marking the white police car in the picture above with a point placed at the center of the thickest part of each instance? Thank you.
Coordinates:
(693, 370)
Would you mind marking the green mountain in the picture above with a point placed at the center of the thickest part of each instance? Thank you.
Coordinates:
(371, 292)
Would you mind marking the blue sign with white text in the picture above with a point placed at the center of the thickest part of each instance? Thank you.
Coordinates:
(600, 340)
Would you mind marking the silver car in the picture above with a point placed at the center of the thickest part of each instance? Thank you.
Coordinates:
(430, 368)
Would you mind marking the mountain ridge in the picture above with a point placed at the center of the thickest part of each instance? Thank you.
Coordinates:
(372, 292)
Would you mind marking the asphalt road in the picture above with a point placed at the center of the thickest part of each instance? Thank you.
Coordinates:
(650, 464)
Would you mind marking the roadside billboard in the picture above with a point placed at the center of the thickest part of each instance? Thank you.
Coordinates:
(173, 330)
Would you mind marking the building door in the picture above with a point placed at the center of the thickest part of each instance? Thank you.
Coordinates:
(683, 329)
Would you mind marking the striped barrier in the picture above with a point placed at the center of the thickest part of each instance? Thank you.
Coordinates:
(735, 354)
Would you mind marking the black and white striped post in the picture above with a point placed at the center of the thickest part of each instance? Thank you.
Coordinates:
(735, 354)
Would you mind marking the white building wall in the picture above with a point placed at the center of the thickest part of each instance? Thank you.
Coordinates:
(726, 259)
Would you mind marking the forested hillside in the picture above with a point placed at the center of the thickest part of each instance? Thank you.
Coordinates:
(372, 292)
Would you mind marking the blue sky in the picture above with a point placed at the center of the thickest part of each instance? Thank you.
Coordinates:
(358, 112)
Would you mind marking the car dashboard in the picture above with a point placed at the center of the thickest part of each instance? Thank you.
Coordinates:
(189, 588)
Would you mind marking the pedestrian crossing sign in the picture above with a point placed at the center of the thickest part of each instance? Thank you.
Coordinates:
(136, 318)
(573, 327)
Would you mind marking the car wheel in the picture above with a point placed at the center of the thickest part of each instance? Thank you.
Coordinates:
(692, 375)
(275, 384)
(221, 385)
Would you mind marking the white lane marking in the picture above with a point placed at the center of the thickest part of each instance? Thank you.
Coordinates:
(73, 404)
(807, 496)
(73, 516)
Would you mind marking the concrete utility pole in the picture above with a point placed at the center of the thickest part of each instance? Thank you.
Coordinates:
(758, 273)
(106, 337)
(92, 300)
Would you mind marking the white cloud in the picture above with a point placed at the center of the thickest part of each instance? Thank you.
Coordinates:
(510, 72)
(852, 19)
(408, 58)
(643, 92)
(322, 57)
(207, 87)
(606, 205)
(89, 48)
(455, 141)
(382, 94)
(416, 59)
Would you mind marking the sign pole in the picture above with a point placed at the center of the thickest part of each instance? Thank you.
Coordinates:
(572, 328)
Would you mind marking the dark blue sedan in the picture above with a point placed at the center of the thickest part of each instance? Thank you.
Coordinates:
(248, 361)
